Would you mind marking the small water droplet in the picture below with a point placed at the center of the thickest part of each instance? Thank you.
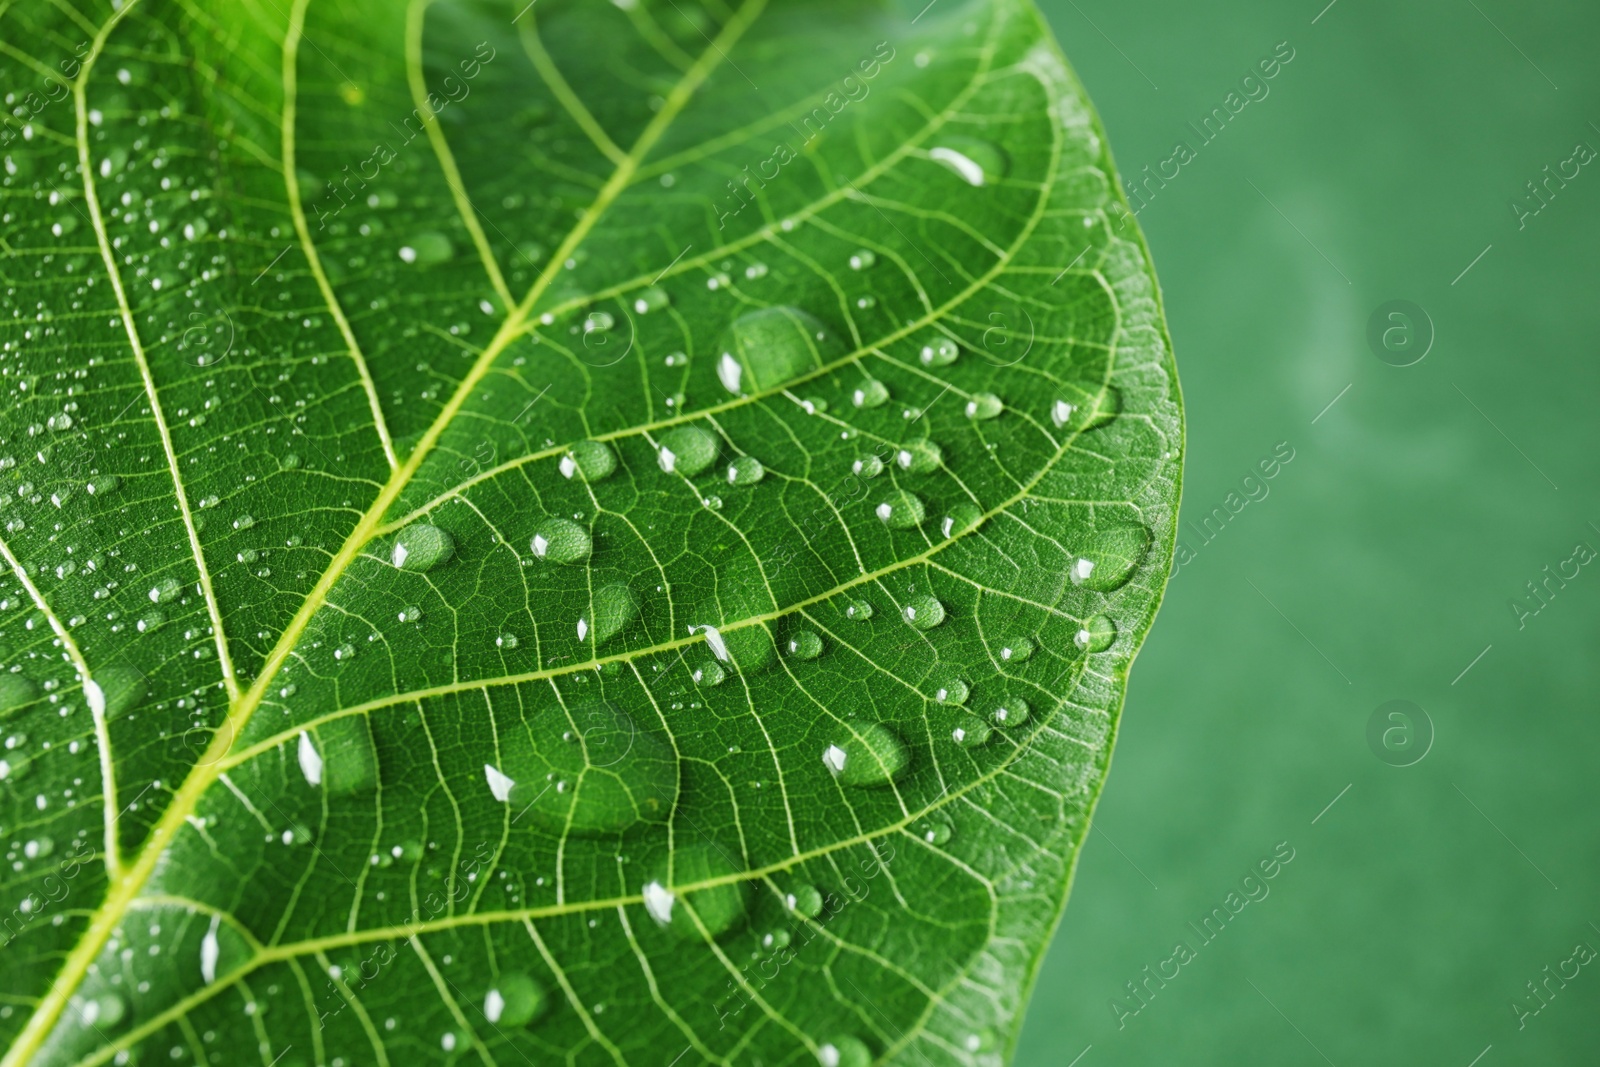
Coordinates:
(1016, 651)
(614, 607)
(164, 591)
(15, 691)
(411, 614)
(709, 673)
(935, 831)
(653, 298)
(974, 161)
(514, 1000)
(862, 259)
(972, 733)
(844, 1052)
(858, 610)
(952, 691)
(427, 248)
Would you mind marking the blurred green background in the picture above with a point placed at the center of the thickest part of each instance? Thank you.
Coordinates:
(1381, 563)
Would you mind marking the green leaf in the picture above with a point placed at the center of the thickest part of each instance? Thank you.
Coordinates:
(572, 532)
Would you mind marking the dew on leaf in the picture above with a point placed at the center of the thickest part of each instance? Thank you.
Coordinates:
(939, 352)
(687, 450)
(1016, 651)
(862, 259)
(561, 541)
(963, 517)
(717, 909)
(1013, 711)
(805, 644)
(866, 756)
(870, 394)
(421, 547)
(766, 348)
(901, 511)
(514, 1000)
(869, 466)
(844, 1052)
(613, 607)
(593, 461)
(167, 589)
(971, 734)
(592, 770)
(1096, 635)
(858, 610)
(745, 470)
(804, 900)
(919, 457)
(923, 611)
(984, 406)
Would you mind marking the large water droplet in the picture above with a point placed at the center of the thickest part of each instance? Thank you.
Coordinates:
(339, 756)
(844, 1052)
(561, 541)
(592, 461)
(939, 352)
(971, 733)
(1116, 553)
(1013, 711)
(774, 345)
(514, 1000)
(652, 298)
(869, 466)
(427, 249)
(984, 406)
(164, 591)
(1016, 651)
(613, 607)
(870, 394)
(923, 611)
(862, 259)
(718, 909)
(858, 610)
(15, 691)
(868, 755)
(709, 674)
(595, 770)
(935, 831)
(805, 900)
(420, 547)
(974, 161)
(805, 644)
(687, 450)
(963, 517)
(901, 511)
(951, 691)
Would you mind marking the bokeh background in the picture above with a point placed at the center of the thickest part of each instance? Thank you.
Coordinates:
(1382, 562)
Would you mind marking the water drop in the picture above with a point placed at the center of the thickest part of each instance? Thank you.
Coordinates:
(923, 611)
(867, 466)
(902, 511)
(1097, 634)
(688, 450)
(974, 161)
(290, 461)
(709, 673)
(963, 517)
(745, 470)
(592, 460)
(651, 299)
(592, 770)
(427, 249)
(952, 691)
(120, 688)
(561, 541)
(719, 908)
(870, 394)
(984, 406)
(971, 734)
(507, 640)
(420, 547)
(1013, 711)
(150, 621)
(862, 259)
(775, 940)
(515, 1000)
(1016, 651)
(346, 651)
(858, 610)
(500, 783)
(339, 756)
(939, 352)
(869, 755)
(935, 831)
(411, 614)
(15, 691)
(804, 644)
(844, 1052)
(613, 607)
(766, 348)
(1117, 553)
(919, 457)
(1061, 412)
(164, 591)
(102, 485)
(804, 900)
